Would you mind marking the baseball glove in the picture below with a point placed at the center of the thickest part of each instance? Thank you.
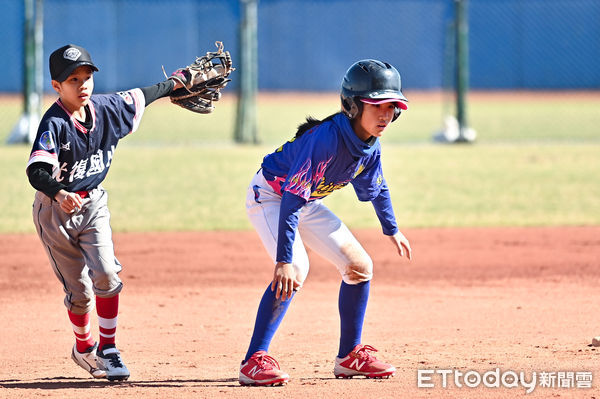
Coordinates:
(202, 81)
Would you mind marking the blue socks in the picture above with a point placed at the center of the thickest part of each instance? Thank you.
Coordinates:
(269, 316)
(352, 305)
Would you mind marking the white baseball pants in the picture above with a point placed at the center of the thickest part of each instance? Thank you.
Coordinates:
(318, 228)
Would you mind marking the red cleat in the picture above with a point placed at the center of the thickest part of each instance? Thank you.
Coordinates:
(261, 369)
(361, 362)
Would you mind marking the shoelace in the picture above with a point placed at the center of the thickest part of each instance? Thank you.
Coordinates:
(363, 352)
(115, 360)
(266, 362)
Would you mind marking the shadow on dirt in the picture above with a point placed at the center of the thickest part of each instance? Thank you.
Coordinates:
(71, 383)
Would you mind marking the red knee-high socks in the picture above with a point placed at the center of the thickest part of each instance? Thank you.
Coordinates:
(107, 309)
(81, 328)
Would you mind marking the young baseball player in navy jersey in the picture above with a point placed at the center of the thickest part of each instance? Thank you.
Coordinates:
(70, 158)
(284, 205)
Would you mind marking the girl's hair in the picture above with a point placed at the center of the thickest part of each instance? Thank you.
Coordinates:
(310, 123)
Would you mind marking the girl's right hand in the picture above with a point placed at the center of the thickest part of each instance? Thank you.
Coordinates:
(285, 281)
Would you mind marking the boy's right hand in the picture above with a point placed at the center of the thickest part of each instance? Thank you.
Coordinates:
(69, 202)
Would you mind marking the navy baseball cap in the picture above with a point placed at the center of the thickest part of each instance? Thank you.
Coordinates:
(66, 59)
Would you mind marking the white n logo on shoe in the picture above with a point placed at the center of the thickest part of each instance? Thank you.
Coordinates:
(254, 370)
(356, 364)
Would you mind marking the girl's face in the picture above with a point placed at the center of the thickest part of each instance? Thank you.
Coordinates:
(75, 91)
(373, 120)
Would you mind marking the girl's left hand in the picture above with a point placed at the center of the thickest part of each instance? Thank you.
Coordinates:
(402, 245)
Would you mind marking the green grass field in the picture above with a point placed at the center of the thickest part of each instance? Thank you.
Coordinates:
(535, 163)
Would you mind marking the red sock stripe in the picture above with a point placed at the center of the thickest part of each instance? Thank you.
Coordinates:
(108, 331)
(80, 320)
(84, 337)
(107, 308)
(81, 329)
(107, 337)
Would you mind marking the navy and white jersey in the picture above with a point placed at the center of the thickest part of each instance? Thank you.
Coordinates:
(80, 158)
(322, 160)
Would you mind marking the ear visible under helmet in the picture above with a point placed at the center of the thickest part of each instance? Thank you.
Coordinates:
(370, 79)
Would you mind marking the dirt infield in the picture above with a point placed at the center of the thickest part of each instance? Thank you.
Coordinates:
(498, 300)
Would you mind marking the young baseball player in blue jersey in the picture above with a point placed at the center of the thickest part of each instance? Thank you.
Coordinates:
(284, 205)
(70, 158)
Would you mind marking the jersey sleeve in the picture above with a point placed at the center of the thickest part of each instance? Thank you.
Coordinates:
(370, 185)
(289, 212)
(369, 182)
(44, 148)
(126, 111)
(385, 212)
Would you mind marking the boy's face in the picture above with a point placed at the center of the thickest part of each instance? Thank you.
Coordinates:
(75, 90)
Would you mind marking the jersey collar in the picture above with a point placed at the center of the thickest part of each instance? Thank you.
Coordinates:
(76, 123)
(355, 145)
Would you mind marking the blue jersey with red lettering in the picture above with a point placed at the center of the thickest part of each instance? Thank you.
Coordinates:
(80, 158)
(320, 161)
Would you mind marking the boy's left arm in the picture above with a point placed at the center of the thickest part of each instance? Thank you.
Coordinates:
(159, 90)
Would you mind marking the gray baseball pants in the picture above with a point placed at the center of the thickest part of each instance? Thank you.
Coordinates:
(80, 248)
